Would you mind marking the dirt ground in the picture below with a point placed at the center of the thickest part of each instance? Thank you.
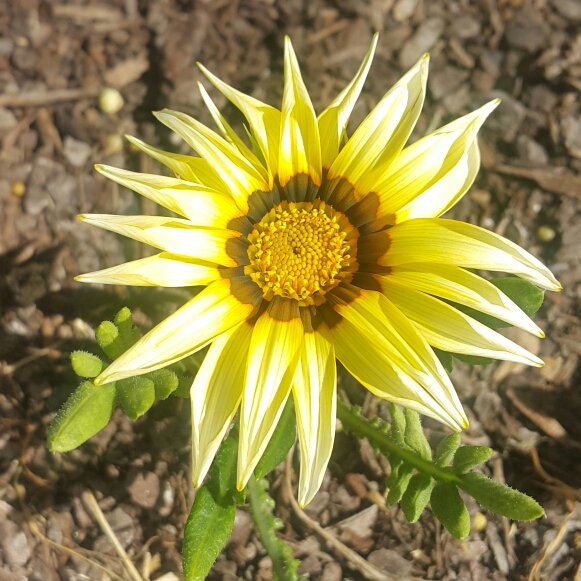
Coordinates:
(55, 59)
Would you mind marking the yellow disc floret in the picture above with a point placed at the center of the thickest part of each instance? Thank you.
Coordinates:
(301, 251)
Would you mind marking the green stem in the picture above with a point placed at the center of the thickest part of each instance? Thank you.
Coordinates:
(263, 523)
(362, 427)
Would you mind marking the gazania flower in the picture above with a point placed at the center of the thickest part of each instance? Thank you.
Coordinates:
(311, 250)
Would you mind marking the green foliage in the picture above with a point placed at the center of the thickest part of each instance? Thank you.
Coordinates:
(281, 442)
(165, 382)
(284, 567)
(136, 395)
(522, 292)
(212, 515)
(87, 411)
(416, 479)
(86, 364)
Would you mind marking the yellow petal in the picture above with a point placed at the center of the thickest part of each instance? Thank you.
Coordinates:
(263, 119)
(160, 270)
(215, 396)
(391, 339)
(239, 175)
(461, 286)
(315, 393)
(448, 329)
(175, 236)
(333, 120)
(439, 241)
(273, 355)
(383, 132)
(200, 204)
(191, 169)
(300, 146)
(432, 174)
(219, 307)
(227, 132)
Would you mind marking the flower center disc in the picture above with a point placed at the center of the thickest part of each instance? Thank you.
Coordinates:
(301, 251)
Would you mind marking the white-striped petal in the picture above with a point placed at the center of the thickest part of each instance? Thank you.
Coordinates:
(175, 236)
(215, 396)
(315, 394)
(219, 307)
(272, 360)
(162, 269)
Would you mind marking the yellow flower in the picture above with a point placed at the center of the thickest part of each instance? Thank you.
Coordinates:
(313, 251)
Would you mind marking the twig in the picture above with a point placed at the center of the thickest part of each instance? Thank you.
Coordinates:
(354, 559)
(7, 369)
(110, 534)
(36, 98)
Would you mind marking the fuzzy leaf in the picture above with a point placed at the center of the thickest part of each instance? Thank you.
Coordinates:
(450, 510)
(107, 335)
(499, 498)
(398, 482)
(86, 364)
(524, 293)
(136, 394)
(397, 429)
(446, 359)
(128, 333)
(414, 435)
(281, 442)
(467, 457)
(165, 382)
(87, 411)
(447, 448)
(473, 359)
(416, 496)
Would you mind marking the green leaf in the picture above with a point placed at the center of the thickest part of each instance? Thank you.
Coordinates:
(417, 496)
(499, 498)
(446, 359)
(87, 411)
(281, 442)
(107, 335)
(165, 382)
(284, 567)
(128, 333)
(450, 510)
(447, 448)
(212, 516)
(467, 457)
(136, 394)
(398, 482)
(397, 429)
(86, 364)
(206, 532)
(473, 359)
(524, 293)
(414, 435)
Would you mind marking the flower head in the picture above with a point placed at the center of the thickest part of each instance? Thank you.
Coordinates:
(313, 251)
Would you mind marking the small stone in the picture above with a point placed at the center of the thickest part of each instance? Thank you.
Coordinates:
(111, 101)
(404, 9)
(571, 132)
(122, 525)
(526, 30)
(332, 572)
(424, 38)
(570, 9)
(76, 152)
(479, 521)
(309, 566)
(445, 81)
(7, 120)
(144, 490)
(466, 26)
(531, 151)
(24, 58)
(14, 544)
(389, 561)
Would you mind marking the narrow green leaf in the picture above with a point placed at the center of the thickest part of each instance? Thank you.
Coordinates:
(417, 496)
(447, 448)
(450, 510)
(136, 395)
(446, 359)
(414, 435)
(467, 457)
(399, 483)
(397, 429)
(107, 335)
(87, 411)
(207, 530)
(86, 364)
(165, 382)
(524, 293)
(281, 442)
(222, 481)
(499, 498)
